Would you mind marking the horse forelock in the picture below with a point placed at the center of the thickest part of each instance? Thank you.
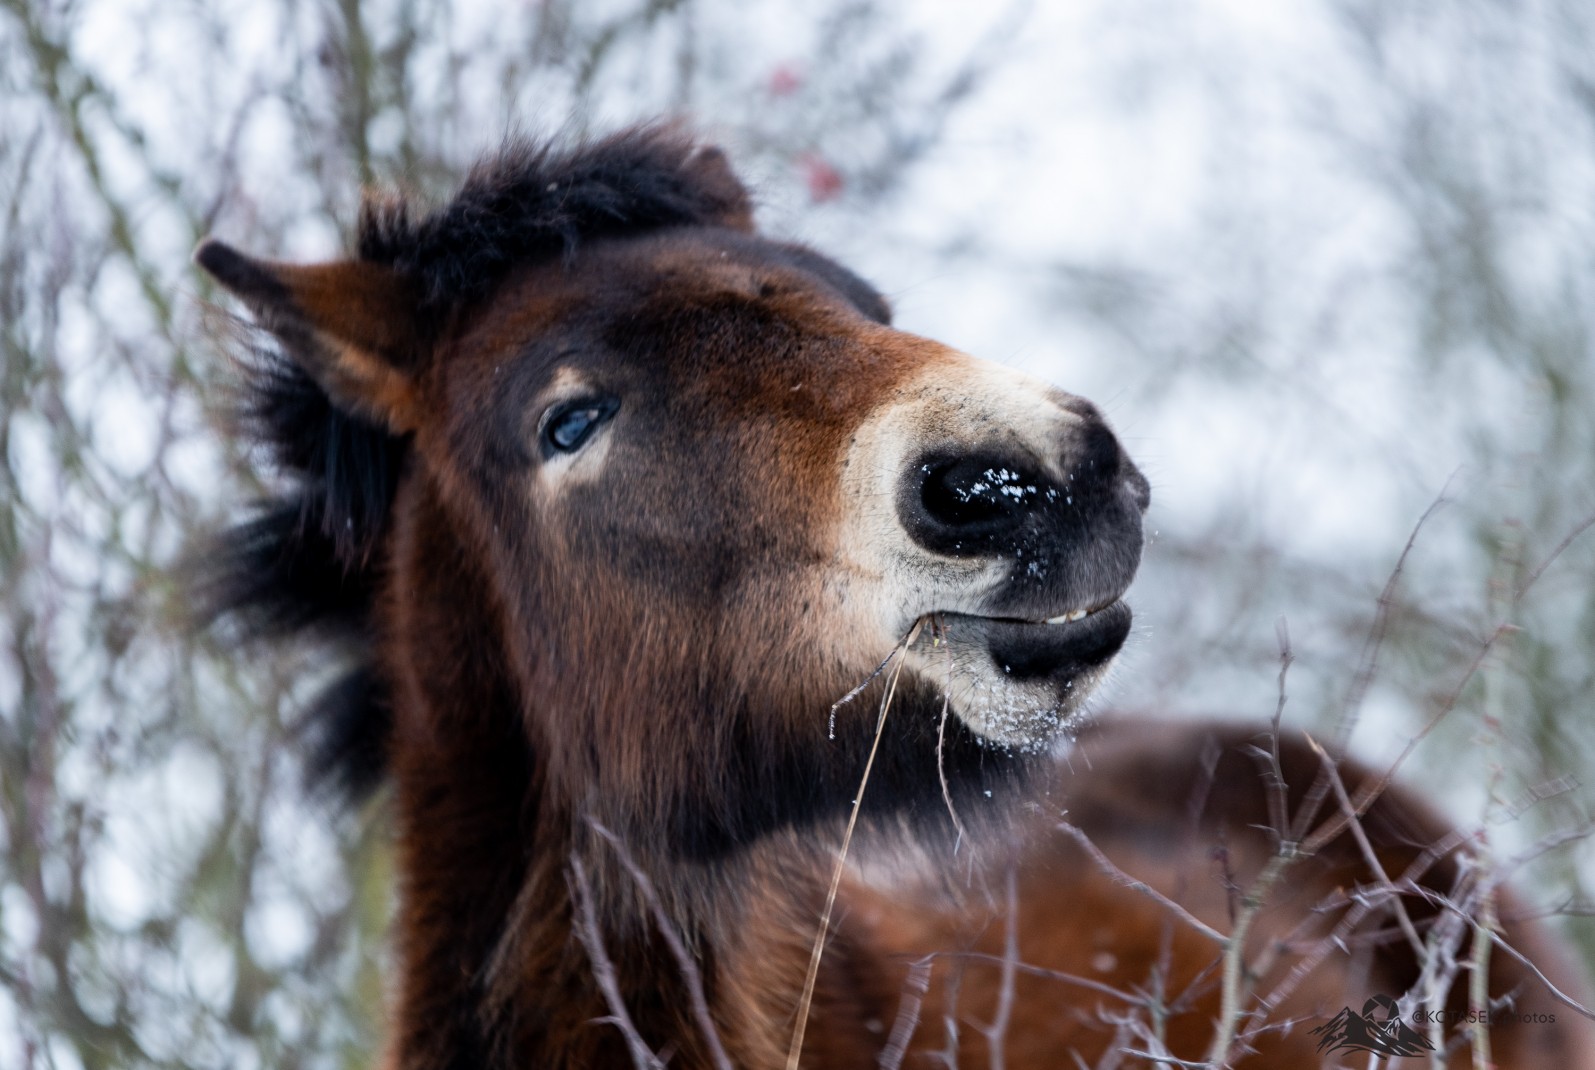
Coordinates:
(532, 200)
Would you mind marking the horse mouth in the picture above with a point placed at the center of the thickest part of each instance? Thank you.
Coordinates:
(1017, 682)
(1072, 616)
(1063, 647)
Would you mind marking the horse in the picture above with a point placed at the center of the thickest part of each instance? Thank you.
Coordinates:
(663, 564)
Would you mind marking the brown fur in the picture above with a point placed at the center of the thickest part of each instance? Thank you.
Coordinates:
(643, 641)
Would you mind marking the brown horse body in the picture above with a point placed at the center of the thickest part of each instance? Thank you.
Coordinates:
(618, 499)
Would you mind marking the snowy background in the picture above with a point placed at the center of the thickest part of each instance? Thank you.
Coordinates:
(1324, 263)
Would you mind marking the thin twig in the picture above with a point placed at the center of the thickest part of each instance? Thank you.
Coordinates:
(1338, 939)
(1372, 789)
(1278, 792)
(1374, 644)
(1123, 879)
(1578, 529)
(1484, 926)
(1042, 972)
(604, 970)
(997, 1030)
(678, 948)
(1170, 1060)
(952, 988)
(1368, 669)
(1501, 943)
(914, 989)
(1369, 856)
(1236, 977)
(1550, 842)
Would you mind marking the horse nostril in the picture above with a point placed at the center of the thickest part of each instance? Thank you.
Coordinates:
(963, 506)
(970, 493)
(998, 501)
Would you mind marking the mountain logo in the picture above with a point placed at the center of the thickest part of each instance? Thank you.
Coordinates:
(1378, 1030)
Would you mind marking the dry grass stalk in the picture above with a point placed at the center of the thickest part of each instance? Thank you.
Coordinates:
(807, 998)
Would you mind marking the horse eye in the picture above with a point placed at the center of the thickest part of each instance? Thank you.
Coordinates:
(568, 426)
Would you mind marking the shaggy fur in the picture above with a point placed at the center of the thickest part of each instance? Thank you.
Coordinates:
(307, 561)
(531, 201)
(599, 689)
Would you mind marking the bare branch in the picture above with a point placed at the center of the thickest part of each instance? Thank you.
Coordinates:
(604, 970)
(1123, 879)
(1380, 631)
(1466, 916)
(1236, 977)
(996, 1031)
(1029, 970)
(1370, 857)
(678, 948)
(1278, 790)
(1539, 570)
(915, 987)
(1307, 812)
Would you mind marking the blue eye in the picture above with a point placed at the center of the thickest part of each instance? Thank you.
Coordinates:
(570, 424)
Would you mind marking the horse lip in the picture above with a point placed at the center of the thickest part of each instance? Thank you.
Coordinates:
(1068, 616)
(1031, 649)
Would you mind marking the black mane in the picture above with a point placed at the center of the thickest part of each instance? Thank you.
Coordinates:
(309, 561)
(531, 200)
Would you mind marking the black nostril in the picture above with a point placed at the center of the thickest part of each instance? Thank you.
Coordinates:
(968, 505)
(968, 494)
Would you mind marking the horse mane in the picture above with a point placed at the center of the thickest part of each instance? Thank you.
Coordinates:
(308, 562)
(530, 201)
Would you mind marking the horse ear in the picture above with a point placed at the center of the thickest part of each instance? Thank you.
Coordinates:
(350, 324)
(711, 171)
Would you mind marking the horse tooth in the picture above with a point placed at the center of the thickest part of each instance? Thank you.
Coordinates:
(1069, 617)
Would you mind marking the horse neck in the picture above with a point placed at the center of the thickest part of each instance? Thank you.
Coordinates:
(499, 938)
